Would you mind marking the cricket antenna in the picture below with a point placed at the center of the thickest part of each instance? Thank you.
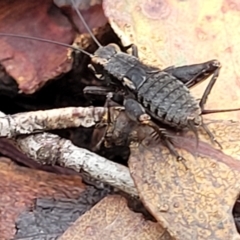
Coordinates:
(85, 24)
(47, 41)
(204, 112)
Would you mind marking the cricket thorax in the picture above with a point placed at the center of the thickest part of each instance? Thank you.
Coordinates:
(127, 69)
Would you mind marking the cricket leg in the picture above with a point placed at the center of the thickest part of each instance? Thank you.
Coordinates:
(193, 74)
(106, 122)
(97, 90)
(108, 92)
(197, 73)
(134, 49)
(203, 101)
(136, 113)
(190, 75)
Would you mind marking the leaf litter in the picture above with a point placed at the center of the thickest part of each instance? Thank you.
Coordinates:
(189, 209)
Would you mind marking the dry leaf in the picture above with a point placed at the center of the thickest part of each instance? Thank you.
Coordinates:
(173, 32)
(196, 203)
(112, 219)
(21, 186)
(32, 63)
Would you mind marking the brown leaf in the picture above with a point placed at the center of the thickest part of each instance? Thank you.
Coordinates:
(112, 219)
(90, 9)
(32, 63)
(195, 203)
(173, 32)
(21, 186)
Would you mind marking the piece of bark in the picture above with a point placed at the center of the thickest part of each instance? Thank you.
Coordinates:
(51, 217)
(21, 186)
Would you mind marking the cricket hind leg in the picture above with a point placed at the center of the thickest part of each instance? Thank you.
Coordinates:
(136, 113)
(197, 73)
(193, 74)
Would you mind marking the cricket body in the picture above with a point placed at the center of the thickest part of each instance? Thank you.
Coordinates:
(163, 96)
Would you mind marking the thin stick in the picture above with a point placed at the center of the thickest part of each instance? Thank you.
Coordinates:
(50, 149)
(39, 121)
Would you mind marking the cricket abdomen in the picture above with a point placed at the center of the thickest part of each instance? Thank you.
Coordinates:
(168, 100)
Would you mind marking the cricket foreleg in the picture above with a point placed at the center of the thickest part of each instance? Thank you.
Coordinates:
(106, 121)
(134, 49)
(97, 73)
(97, 90)
(108, 92)
(100, 74)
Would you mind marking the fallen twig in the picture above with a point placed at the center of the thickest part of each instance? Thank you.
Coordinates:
(38, 121)
(50, 149)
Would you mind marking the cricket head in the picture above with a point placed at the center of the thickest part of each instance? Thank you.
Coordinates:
(104, 54)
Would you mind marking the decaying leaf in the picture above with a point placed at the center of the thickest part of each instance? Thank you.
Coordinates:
(20, 187)
(174, 32)
(196, 203)
(112, 219)
(91, 10)
(32, 63)
(193, 203)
